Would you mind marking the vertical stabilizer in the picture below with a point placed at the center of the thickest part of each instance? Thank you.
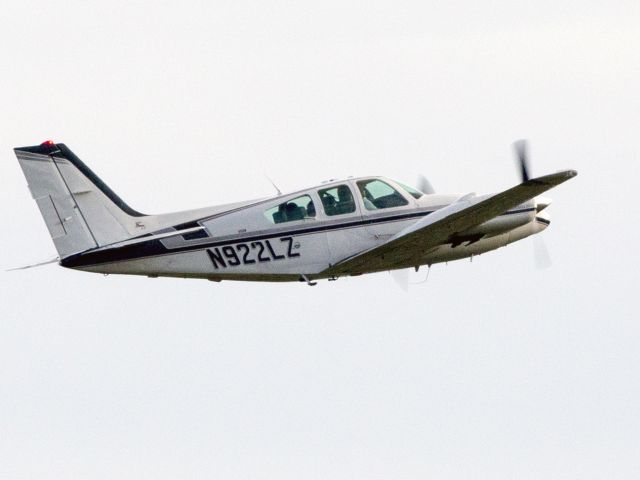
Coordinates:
(81, 211)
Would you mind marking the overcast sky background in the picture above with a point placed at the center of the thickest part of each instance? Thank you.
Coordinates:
(491, 369)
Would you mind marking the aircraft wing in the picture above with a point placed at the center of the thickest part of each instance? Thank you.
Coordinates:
(438, 227)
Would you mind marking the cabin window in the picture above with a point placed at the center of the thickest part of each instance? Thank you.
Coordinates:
(377, 194)
(337, 200)
(295, 209)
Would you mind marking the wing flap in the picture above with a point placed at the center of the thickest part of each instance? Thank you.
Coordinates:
(435, 229)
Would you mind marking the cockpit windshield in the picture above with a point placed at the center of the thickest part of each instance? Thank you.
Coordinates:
(377, 194)
(411, 191)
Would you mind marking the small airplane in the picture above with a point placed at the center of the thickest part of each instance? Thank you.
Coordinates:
(338, 228)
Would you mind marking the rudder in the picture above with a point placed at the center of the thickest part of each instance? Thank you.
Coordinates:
(80, 211)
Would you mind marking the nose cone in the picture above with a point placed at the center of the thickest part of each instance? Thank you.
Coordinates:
(542, 203)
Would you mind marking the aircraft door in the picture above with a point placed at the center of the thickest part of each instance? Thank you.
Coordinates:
(384, 208)
(341, 214)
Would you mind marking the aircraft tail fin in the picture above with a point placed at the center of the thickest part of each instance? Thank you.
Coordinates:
(80, 210)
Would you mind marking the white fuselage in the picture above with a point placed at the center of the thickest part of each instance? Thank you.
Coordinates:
(243, 244)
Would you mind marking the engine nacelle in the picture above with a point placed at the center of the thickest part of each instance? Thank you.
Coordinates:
(506, 222)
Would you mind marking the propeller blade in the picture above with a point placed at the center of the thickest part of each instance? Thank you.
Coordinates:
(424, 185)
(541, 253)
(401, 277)
(523, 158)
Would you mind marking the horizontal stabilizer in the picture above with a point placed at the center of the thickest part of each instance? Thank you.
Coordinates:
(33, 265)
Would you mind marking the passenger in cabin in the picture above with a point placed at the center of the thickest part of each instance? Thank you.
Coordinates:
(345, 200)
(293, 210)
(311, 209)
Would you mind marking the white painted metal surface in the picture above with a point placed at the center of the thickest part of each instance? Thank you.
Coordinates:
(346, 227)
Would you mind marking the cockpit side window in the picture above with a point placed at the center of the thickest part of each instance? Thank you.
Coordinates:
(295, 209)
(337, 200)
(377, 194)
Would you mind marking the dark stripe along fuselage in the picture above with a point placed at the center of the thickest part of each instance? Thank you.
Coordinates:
(152, 248)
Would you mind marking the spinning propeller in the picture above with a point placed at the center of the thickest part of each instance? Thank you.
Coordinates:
(401, 277)
(541, 253)
(424, 185)
(520, 146)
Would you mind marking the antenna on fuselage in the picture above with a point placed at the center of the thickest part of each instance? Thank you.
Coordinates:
(272, 183)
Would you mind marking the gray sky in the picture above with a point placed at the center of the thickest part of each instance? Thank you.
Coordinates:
(492, 369)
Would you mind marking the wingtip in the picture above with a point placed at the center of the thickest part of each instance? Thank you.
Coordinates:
(567, 173)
